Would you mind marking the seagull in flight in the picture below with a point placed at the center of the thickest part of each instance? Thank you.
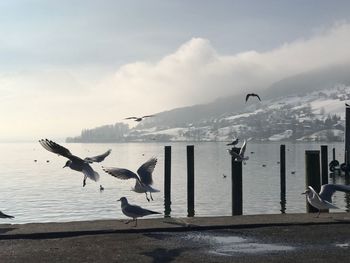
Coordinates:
(76, 163)
(143, 177)
(323, 200)
(253, 95)
(138, 119)
(239, 157)
(134, 211)
(234, 142)
(3, 215)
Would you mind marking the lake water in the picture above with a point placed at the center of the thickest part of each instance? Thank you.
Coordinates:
(44, 192)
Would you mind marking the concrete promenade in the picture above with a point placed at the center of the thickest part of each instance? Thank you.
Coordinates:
(251, 238)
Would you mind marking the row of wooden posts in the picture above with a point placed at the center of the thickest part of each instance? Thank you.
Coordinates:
(316, 174)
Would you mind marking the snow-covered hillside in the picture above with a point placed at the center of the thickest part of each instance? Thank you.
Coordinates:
(316, 116)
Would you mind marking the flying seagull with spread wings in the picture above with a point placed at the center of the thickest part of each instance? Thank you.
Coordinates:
(323, 200)
(143, 177)
(138, 119)
(251, 95)
(76, 163)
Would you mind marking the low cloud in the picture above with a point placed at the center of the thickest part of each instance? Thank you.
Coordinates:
(61, 102)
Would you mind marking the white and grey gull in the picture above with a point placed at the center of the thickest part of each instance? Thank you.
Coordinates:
(323, 200)
(143, 177)
(134, 211)
(76, 163)
(239, 157)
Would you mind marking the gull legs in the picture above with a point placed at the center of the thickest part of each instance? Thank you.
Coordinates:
(84, 181)
(134, 219)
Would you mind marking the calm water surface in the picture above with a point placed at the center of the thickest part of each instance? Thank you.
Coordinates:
(44, 192)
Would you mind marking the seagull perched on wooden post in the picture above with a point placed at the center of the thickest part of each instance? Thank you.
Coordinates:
(251, 94)
(75, 162)
(323, 200)
(3, 215)
(239, 157)
(138, 119)
(234, 142)
(134, 211)
(143, 179)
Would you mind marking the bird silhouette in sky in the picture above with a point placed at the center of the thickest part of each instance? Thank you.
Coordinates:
(76, 163)
(138, 119)
(251, 94)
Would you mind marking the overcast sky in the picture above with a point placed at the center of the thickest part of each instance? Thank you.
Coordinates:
(68, 65)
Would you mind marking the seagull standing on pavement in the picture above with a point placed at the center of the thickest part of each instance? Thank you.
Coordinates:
(323, 200)
(75, 162)
(3, 215)
(143, 179)
(134, 211)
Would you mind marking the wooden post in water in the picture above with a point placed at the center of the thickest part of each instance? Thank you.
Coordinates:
(333, 151)
(167, 181)
(283, 177)
(312, 175)
(347, 139)
(324, 164)
(237, 185)
(190, 180)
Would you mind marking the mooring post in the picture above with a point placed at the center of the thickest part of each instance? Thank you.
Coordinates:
(312, 175)
(333, 151)
(283, 177)
(190, 180)
(237, 185)
(167, 181)
(347, 139)
(324, 164)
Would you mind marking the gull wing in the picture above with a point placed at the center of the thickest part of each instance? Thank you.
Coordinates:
(257, 96)
(137, 211)
(233, 154)
(247, 97)
(51, 146)
(90, 173)
(120, 173)
(146, 116)
(98, 158)
(130, 118)
(242, 151)
(327, 190)
(3, 215)
(315, 193)
(145, 171)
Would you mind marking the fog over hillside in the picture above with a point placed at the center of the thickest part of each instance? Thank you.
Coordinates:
(307, 99)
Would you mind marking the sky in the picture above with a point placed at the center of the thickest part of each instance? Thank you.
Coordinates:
(69, 65)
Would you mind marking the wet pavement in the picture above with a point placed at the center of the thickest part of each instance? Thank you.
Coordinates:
(320, 241)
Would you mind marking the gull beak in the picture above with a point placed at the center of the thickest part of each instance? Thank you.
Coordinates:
(304, 193)
(118, 200)
(64, 166)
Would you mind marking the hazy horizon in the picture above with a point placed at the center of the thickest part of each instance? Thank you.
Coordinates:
(69, 66)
